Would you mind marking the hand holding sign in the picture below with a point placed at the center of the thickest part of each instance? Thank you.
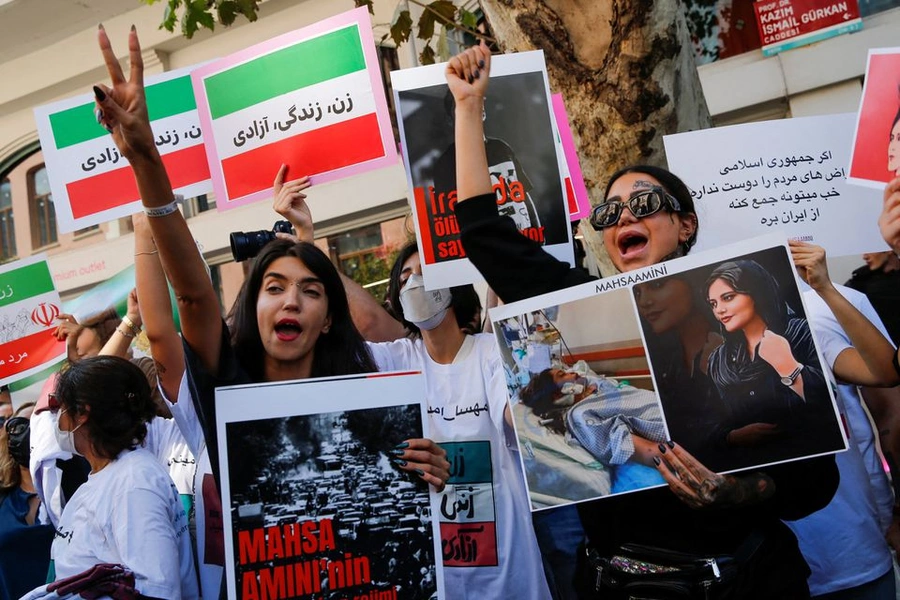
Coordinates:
(425, 458)
(811, 266)
(889, 221)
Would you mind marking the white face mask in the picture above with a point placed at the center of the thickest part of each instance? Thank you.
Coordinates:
(66, 439)
(425, 309)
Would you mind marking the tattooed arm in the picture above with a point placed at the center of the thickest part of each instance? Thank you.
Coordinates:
(794, 489)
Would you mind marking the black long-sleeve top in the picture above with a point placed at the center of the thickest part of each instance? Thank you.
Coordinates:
(516, 268)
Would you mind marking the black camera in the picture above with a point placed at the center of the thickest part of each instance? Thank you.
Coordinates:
(247, 244)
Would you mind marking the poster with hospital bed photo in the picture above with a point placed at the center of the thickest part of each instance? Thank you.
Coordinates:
(712, 351)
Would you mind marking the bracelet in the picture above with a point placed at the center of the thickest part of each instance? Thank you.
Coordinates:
(167, 209)
(127, 334)
(146, 253)
(135, 330)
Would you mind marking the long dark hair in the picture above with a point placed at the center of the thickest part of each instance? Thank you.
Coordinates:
(118, 395)
(464, 299)
(538, 395)
(672, 184)
(749, 277)
(341, 351)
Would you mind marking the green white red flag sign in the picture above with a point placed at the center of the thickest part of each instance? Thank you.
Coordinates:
(29, 305)
(312, 99)
(90, 181)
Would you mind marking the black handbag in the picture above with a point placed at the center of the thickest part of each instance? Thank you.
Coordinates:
(638, 572)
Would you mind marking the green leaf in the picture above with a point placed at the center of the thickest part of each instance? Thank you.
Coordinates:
(227, 11)
(439, 8)
(196, 13)
(170, 17)
(426, 26)
(445, 8)
(249, 8)
(426, 57)
(468, 19)
(401, 27)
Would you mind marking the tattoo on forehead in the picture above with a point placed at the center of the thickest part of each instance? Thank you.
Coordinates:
(641, 183)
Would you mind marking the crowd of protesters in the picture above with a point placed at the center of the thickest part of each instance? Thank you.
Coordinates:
(109, 484)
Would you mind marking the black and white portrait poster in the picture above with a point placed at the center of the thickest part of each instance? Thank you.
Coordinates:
(713, 351)
(523, 152)
(312, 505)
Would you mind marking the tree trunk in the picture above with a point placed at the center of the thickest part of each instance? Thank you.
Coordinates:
(626, 71)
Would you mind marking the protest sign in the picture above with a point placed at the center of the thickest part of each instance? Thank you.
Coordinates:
(311, 99)
(579, 202)
(525, 162)
(311, 502)
(598, 377)
(787, 24)
(90, 181)
(786, 176)
(29, 305)
(875, 158)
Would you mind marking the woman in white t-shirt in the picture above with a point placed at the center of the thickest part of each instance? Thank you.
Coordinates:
(487, 537)
(489, 546)
(128, 512)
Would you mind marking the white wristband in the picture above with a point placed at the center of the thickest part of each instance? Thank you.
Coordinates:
(162, 211)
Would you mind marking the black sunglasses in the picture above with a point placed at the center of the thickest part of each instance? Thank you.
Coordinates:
(16, 425)
(642, 204)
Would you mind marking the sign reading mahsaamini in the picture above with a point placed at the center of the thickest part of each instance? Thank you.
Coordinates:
(311, 99)
(90, 181)
(787, 24)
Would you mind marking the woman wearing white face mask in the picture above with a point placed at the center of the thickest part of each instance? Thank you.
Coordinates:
(467, 406)
(128, 513)
(488, 542)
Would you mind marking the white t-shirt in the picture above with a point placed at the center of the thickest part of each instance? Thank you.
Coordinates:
(488, 541)
(166, 442)
(207, 502)
(844, 542)
(129, 513)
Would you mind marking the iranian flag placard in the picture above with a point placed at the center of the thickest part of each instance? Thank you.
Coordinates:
(29, 305)
(312, 99)
(91, 182)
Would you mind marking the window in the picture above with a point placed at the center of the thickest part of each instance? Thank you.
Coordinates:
(7, 225)
(43, 214)
(366, 254)
(86, 230)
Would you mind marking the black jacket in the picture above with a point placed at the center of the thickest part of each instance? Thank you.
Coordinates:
(516, 268)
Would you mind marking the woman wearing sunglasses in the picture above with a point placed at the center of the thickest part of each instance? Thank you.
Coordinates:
(24, 537)
(128, 512)
(649, 217)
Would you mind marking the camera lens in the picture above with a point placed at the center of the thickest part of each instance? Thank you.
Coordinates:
(246, 245)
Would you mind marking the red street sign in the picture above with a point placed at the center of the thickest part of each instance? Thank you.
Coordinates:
(783, 20)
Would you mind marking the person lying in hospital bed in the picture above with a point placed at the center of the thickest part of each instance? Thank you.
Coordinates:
(618, 424)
